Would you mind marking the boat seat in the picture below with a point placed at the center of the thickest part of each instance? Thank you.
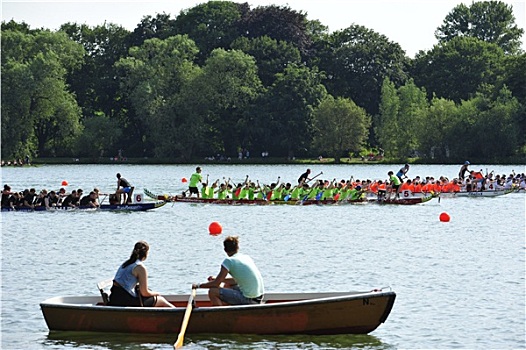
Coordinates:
(104, 287)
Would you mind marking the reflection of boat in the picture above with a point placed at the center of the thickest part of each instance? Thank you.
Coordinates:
(229, 201)
(103, 207)
(95, 340)
(281, 313)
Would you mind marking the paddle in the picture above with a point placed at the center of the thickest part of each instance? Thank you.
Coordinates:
(321, 173)
(180, 338)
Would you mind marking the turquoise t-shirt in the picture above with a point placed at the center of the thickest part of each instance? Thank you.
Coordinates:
(245, 272)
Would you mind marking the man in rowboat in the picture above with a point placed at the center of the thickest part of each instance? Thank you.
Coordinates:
(245, 286)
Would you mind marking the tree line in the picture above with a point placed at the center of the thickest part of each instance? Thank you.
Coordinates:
(222, 76)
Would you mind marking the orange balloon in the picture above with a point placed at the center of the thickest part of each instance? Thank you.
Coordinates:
(215, 228)
(64, 183)
(184, 179)
(444, 217)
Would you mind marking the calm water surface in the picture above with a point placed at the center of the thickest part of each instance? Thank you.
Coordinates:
(459, 284)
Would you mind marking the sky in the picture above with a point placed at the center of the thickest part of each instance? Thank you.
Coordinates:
(410, 23)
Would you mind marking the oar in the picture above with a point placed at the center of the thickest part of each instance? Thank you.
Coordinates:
(180, 338)
(321, 173)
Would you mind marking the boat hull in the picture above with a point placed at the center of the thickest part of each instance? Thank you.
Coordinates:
(318, 313)
(476, 194)
(104, 207)
(229, 201)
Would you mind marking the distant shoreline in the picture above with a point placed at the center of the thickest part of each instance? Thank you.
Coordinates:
(252, 161)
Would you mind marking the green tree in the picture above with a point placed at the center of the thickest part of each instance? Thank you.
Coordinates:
(339, 126)
(272, 56)
(228, 86)
(455, 69)
(436, 130)
(486, 127)
(413, 104)
(99, 137)
(152, 77)
(356, 63)
(40, 115)
(401, 116)
(212, 25)
(94, 83)
(387, 126)
(489, 21)
(162, 26)
(280, 23)
(282, 117)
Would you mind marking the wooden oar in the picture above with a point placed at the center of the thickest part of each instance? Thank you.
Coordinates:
(180, 338)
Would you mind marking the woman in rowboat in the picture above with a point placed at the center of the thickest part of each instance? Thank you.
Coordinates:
(130, 285)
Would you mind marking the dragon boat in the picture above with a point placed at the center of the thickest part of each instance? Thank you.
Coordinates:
(103, 207)
(229, 201)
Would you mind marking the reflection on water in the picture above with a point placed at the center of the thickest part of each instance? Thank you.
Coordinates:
(210, 341)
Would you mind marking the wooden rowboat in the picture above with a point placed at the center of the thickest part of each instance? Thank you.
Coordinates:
(230, 201)
(281, 313)
(104, 207)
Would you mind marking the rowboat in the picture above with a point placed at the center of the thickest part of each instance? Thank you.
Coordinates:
(103, 207)
(230, 201)
(279, 314)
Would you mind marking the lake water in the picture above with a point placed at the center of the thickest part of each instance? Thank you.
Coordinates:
(459, 284)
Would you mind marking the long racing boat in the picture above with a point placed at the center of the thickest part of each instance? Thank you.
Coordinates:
(103, 207)
(230, 201)
(476, 194)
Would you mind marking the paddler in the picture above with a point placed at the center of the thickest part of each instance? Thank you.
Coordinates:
(195, 179)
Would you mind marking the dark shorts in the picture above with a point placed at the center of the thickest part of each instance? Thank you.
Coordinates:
(120, 297)
(193, 190)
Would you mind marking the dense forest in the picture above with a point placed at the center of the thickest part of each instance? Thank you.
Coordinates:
(222, 77)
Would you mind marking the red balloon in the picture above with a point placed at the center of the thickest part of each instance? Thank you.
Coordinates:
(444, 217)
(64, 183)
(184, 179)
(215, 228)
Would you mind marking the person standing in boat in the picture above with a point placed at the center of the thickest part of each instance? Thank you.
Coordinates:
(130, 285)
(402, 172)
(124, 188)
(395, 183)
(246, 285)
(304, 177)
(195, 179)
(463, 170)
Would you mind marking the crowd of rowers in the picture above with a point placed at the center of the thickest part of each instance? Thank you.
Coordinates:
(29, 198)
(352, 189)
